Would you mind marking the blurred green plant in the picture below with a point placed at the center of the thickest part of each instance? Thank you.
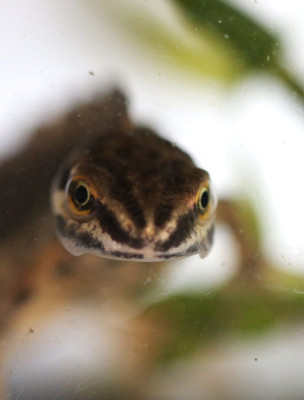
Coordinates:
(254, 45)
(249, 41)
(210, 38)
(195, 321)
(175, 44)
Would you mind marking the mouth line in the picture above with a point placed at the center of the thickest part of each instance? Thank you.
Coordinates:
(153, 257)
(124, 255)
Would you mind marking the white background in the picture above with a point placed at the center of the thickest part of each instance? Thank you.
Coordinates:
(250, 138)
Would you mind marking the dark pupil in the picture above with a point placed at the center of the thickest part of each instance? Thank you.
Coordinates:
(204, 199)
(81, 195)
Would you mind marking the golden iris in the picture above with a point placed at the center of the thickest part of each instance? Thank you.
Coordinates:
(80, 197)
(203, 200)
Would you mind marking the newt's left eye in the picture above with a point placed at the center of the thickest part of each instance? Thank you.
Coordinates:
(80, 198)
(206, 201)
(203, 200)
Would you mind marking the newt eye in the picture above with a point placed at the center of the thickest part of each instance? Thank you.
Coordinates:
(206, 201)
(203, 200)
(80, 197)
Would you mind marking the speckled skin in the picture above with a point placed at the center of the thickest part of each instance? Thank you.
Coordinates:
(160, 186)
(31, 255)
(144, 198)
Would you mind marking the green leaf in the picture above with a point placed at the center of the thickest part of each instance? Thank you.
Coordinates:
(176, 44)
(194, 321)
(256, 46)
(253, 44)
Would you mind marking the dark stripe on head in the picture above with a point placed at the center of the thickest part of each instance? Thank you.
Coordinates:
(162, 214)
(173, 175)
(109, 224)
(182, 231)
(83, 239)
(122, 191)
(88, 241)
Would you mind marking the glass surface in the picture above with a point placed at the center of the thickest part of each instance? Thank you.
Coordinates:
(229, 326)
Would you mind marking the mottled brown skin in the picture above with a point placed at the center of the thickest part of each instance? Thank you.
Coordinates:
(36, 272)
(26, 177)
(143, 194)
(34, 268)
(30, 251)
(158, 180)
(141, 183)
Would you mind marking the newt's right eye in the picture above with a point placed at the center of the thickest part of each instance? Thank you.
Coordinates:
(206, 201)
(80, 197)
